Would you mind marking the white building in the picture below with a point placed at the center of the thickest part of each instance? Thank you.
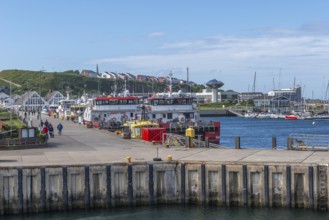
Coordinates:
(29, 101)
(53, 98)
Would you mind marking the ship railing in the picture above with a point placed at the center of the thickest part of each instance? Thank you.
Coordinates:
(311, 142)
(175, 140)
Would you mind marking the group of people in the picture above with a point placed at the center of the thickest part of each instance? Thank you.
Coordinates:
(47, 128)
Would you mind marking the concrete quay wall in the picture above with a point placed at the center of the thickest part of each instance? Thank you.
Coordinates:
(54, 188)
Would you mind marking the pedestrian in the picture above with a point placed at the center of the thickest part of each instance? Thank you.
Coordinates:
(41, 123)
(45, 131)
(46, 123)
(51, 130)
(30, 123)
(59, 128)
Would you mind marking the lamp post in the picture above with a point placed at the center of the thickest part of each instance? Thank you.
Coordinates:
(10, 117)
(40, 107)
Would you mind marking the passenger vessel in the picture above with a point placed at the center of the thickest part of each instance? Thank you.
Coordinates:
(111, 110)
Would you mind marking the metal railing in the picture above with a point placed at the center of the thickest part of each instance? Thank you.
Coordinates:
(301, 141)
(175, 140)
(22, 142)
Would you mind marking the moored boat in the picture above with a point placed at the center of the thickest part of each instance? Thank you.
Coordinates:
(105, 111)
(176, 112)
(291, 117)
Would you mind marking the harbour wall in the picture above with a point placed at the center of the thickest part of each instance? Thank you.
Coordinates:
(55, 188)
(218, 113)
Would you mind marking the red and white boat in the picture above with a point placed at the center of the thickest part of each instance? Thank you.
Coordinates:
(176, 112)
(108, 110)
(291, 117)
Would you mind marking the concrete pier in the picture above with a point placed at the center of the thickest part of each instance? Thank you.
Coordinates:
(87, 168)
(39, 189)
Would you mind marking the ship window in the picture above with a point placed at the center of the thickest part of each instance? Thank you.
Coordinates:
(169, 115)
(164, 116)
(153, 116)
(169, 101)
(112, 102)
(131, 114)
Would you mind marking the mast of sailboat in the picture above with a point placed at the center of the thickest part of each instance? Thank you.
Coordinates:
(326, 96)
(254, 84)
(125, 88)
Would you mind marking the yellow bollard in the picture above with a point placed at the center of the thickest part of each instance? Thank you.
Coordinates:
(169, 158)
(128, 159)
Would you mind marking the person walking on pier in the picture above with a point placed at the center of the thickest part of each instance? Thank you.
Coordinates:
(45, 131)
(59, 128)
(46, 123)
(51, 130)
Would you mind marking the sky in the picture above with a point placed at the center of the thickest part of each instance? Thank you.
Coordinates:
(283, 42)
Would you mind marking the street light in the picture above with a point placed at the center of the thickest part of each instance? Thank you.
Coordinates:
(40, 107)
(10, 117)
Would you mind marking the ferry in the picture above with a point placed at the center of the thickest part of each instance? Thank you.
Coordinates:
(105, 111)
(177, 113)
(171, 110)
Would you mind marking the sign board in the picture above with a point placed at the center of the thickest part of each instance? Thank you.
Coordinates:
(28, 132)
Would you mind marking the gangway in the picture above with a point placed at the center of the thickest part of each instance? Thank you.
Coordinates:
(235, 112)
(313, 142)
(175, 140)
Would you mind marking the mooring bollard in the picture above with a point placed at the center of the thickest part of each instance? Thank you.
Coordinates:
(237, 143)
(289, 143)
(169, 158)
(274, 142)
(207, 142)
(187, 142)
(128, 159)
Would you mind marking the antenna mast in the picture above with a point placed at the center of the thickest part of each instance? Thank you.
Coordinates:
(170, 85)
(99, 80)
(254, 84)
(187, 79)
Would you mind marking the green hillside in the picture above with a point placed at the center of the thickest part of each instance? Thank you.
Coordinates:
(72, 80)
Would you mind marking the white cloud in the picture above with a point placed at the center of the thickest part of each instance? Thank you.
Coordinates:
(155, 34)
(234, 59)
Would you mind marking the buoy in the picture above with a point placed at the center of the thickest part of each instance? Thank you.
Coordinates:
(313, 123)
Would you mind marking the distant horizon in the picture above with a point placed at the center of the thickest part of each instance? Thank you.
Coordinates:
(283, 41)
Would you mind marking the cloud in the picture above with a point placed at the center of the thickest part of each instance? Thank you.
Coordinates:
(298, 52)
(155, 34)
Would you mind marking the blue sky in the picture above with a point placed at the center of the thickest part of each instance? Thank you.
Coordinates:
(226, 40)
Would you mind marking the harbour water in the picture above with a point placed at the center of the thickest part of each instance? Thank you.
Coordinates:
(257, 133)
(178, 212)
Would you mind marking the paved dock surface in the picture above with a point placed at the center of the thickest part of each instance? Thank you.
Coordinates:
(81, 145)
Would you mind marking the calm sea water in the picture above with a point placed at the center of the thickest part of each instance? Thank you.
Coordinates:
(179, 212)
(257, 133)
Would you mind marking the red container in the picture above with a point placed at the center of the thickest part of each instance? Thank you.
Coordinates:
(153, 134)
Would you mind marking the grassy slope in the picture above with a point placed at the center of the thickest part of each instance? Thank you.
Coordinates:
(51, 81)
